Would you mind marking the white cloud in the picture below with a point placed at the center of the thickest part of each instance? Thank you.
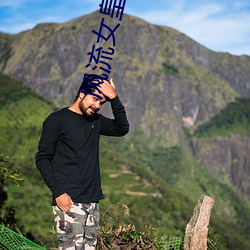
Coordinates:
(10, 3)
(242, 50)
(241, 4)
(222, 25)
(17, 21)
(207, 24)
(201, 13)
(17, 28)
(179, 14)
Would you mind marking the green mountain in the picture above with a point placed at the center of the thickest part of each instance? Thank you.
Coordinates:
(189, 123)
(167, 81)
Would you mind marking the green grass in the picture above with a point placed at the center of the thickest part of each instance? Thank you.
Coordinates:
(169, 69)
(233, 119)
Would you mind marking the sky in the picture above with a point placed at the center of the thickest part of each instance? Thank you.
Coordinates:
(219, 25)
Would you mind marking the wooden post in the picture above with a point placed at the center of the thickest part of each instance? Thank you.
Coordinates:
(197, 228)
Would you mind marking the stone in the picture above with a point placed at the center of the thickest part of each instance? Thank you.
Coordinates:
(197, 228)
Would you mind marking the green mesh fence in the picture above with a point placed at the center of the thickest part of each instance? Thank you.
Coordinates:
(11, 240)
(172, 243)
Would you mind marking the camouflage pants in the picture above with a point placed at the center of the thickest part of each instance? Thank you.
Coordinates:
(78, 228)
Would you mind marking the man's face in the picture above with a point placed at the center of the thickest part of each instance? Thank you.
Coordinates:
(90, 104)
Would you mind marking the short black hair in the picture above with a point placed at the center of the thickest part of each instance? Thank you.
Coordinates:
(85, 84)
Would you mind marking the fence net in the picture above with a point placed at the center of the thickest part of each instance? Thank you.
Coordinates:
(11, 240)
(172, 242)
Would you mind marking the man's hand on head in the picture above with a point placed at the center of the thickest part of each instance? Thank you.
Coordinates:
(108, 89)
(64, 202)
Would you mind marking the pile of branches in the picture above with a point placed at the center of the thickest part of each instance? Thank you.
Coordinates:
(125, 237)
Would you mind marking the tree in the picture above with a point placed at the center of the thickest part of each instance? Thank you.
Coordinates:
(7, 215)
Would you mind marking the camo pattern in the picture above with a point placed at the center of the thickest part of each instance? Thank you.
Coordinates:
(78, 228)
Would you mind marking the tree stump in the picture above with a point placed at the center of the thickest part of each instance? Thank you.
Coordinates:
(197, 228)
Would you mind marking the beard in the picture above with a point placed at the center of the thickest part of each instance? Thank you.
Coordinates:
(84, 109)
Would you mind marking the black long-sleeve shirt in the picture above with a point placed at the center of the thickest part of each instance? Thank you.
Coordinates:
(68, 151)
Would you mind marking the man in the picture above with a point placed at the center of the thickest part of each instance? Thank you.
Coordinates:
(68, 160)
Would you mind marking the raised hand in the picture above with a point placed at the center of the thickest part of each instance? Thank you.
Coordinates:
(108, 89)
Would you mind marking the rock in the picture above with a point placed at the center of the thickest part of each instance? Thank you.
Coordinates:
(197, 228)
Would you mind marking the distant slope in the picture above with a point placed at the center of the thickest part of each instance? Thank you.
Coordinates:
(21, 114)
(222, 144)
(5, 49)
